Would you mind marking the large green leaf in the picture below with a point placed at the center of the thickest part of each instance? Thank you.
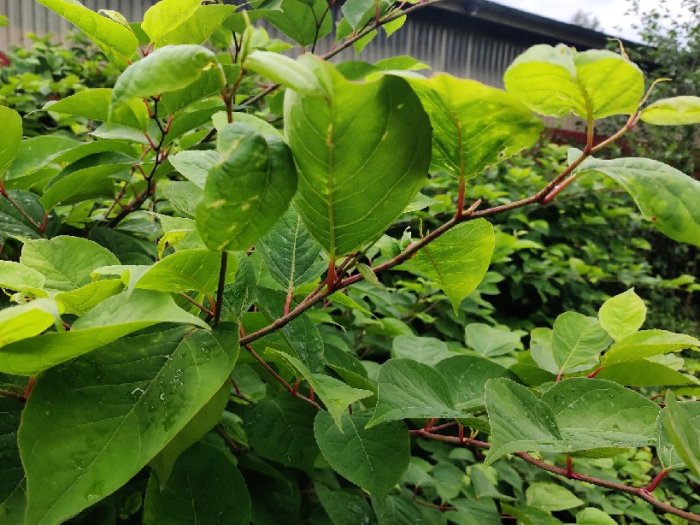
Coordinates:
(467, 375)
(118, 42)
(248, 191)
(65, 262)
(297, 18)
(374, 459)
(577, 342)
(519, 421)
(128, 400)
(335, 395)
(89, 183)
(279, 429)
(673, 111)
(11, 471)
(11, 124)
(27, 320)
(622, 315)
(166, 15)
(195, 29)
(665, 196)
(647, 343)
(291, 255)
(111, 319)
(456, 261)
(165, 70)
(593, 413)
(362, 151)
(205, 488)
(559, 80)
(409, 389)
(474, 125)
(678, 425)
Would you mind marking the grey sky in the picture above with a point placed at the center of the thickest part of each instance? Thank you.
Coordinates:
(611, 13)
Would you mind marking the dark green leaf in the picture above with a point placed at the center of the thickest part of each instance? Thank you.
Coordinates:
(374, 459)
(205, 488)
(128, 400)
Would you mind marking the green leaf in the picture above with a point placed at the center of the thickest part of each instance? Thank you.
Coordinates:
(283, 70)
(593, 516)
(409, 389)
(541, 349)
(644, 373)
(165, 70)
(623, 314)
(551, 497)
(205, 488)
(197, 28)
(374, 459)
(65, 262)
(27, 320)
(335, 395)
(489, 341)
(128, 400)
(89, 183)
(467, 376)
(166, 16)
(119, 43)
(427, 350)
(474, 125)
(674, 111)
(593, 413)
(456, 261)
(519, 421)
(647, 343)
(195, 165)
(559, 80)
(185, 270)
(678, 429)
(680, 436)
(343, 506)
(291, 255)
(11, 471)
(279, 429)
(297, 18)
(248, 191)
(111, 319)
(577, 342)
(207, 417)
(94, 104)
(21, 278)
(664, 195)
(13, 223)
(356, 174)
(36, 153)
(11, 124)
(82, 299)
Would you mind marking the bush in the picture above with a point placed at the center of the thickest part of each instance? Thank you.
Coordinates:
(235, 295)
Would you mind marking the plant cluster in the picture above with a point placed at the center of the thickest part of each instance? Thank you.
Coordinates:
(212, 292)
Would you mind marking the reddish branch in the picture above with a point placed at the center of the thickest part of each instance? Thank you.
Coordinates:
(640, 492)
